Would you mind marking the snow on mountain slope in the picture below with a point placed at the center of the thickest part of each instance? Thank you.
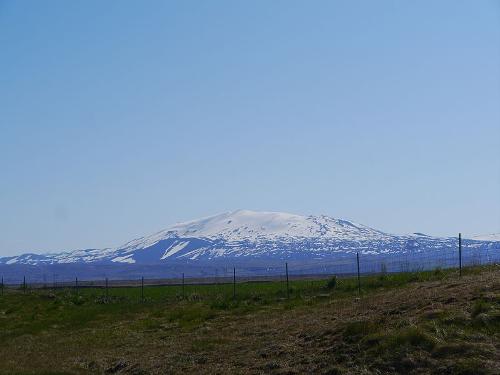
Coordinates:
(485, 237)
(254, 226)
(248, 234)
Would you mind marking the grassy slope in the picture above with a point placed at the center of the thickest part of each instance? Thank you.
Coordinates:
(419, 323)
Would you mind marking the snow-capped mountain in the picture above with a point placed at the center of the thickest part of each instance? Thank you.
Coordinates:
(244, 235)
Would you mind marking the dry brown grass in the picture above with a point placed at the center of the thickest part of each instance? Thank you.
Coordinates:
(449, 326)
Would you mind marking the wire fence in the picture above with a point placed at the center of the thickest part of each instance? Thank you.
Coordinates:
(346, 266)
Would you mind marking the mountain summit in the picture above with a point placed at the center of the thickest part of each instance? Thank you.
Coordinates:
(258, 226)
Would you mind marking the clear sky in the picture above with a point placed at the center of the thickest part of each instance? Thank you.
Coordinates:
(119, 118)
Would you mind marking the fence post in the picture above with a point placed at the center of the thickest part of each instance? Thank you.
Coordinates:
(460, 254)
(287, 288)
(359, 279)
(2, 285)
(24, 284)
(76, 285)
(142, 289)
(234, 283)
(183, 294)
(107, 293)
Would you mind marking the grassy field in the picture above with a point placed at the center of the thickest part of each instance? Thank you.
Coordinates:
(415, 323)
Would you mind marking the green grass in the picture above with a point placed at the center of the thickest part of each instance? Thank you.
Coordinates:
(206, 319)
(68, 309)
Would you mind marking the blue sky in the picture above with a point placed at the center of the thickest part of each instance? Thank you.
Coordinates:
(120, 118)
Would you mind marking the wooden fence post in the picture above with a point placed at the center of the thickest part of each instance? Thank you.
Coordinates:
(234, 283)
(287, 287)
(359, 279)
(142, 289)
(183, 291)
(460, 254)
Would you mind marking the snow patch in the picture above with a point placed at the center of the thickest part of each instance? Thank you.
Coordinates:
(174, 249)
(124, 259)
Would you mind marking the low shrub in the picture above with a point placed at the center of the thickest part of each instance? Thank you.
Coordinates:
(479, 307)
(359, 329)
(331, 283)
(412, 337)
(439, 273)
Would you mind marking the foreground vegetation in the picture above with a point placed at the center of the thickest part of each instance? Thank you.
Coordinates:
(421, 322)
